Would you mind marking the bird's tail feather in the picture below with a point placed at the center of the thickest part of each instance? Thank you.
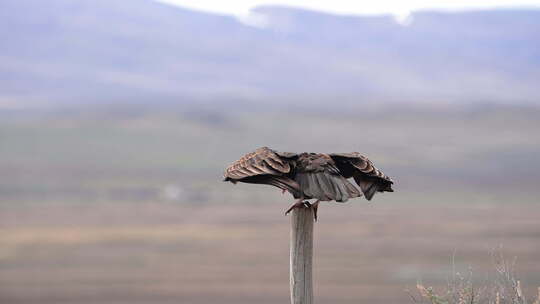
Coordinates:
(326, 186)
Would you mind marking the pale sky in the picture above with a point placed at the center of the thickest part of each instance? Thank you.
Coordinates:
(399, 8)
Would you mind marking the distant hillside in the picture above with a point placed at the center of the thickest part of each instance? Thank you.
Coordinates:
(140, 51)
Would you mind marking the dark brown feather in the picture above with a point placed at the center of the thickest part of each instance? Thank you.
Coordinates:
(264, 166)
(261, 161)
(311, 175)
(320, 178)
(370, 179)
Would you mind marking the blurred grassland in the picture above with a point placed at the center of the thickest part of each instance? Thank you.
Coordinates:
(112, 206)
(445, 154)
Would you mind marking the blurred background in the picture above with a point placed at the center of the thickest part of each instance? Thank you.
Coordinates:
(117, 118)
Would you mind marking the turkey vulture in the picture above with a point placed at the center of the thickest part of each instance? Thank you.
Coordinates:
(311, 175)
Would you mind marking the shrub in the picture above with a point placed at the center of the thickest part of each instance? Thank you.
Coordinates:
(503, 288)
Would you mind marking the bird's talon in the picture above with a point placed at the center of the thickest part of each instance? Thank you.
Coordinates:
(298, 205)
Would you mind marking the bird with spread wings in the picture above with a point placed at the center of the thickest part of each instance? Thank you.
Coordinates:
(318, 176)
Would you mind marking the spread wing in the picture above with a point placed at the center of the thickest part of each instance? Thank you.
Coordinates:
(265, 166)
(262, 161)
(365, 174)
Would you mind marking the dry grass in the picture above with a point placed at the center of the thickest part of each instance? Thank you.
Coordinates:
(502, 288)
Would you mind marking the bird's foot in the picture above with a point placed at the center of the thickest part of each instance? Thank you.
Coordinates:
(298, 204)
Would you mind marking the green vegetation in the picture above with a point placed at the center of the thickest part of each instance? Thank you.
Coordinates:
(446, 156)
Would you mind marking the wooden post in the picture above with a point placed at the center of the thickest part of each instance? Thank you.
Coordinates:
(301, 256)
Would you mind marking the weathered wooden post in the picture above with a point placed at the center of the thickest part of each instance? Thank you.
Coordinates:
(301, 256)
(308, 176)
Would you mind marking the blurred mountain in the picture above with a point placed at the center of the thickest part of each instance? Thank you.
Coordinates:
(141, 51)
